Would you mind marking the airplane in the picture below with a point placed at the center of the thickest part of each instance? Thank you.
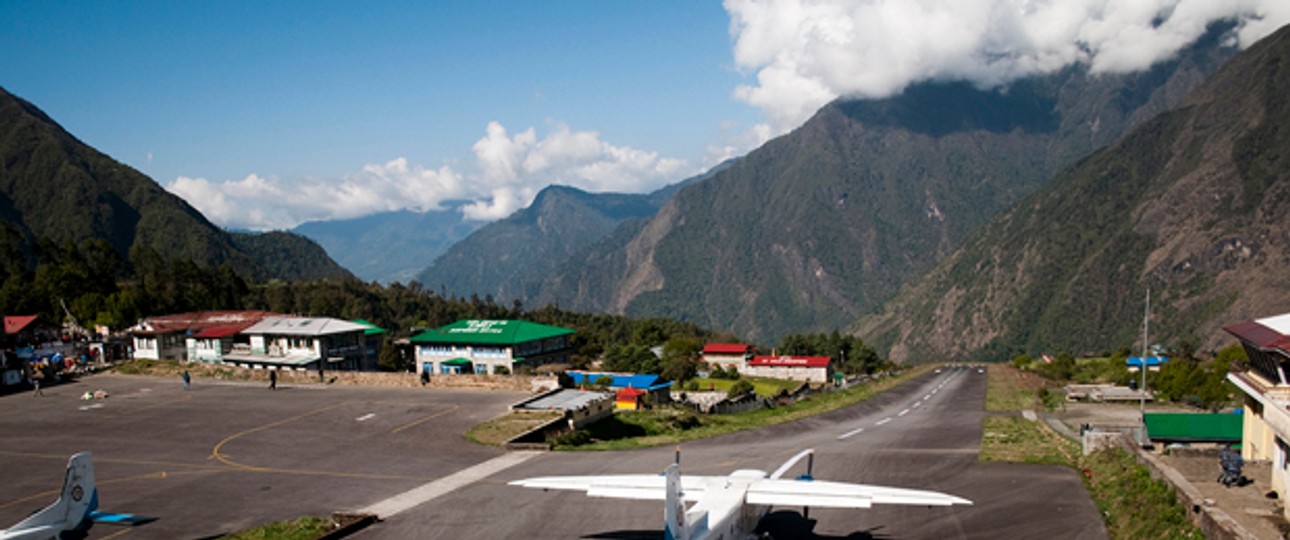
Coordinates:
(75, 510)
(730, 507)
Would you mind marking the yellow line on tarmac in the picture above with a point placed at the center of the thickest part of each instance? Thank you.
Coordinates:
(426, 419)
(216, 454)
(56, 492)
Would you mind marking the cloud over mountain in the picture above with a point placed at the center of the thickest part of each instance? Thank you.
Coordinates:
(806, 53)
(508, 171)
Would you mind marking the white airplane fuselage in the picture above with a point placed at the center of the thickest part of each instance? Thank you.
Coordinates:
(722, 514)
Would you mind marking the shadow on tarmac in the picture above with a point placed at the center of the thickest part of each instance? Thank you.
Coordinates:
(783, 524)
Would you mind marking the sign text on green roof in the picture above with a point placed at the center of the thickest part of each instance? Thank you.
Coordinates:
(490, 332)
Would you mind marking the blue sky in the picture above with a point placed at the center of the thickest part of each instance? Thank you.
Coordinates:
(267, 114)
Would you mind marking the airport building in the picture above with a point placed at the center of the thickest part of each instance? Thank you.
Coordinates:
(490, 347)
(202, 336)
(815, 369)
(727, 355)
(1265, 430)
(301, 343)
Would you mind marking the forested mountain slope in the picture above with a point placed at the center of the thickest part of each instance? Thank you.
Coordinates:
(1194, 204)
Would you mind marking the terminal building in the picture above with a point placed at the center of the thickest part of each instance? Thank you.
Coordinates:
(490, 347)
(1265, 433)
(814, 369)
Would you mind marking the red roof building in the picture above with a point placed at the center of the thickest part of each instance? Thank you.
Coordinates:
(814, 369)
(212, 333)
(629, 398)
(727, 355)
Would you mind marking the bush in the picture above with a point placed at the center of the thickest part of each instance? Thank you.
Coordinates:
(573, 438)
(739, 389)
(685, 420)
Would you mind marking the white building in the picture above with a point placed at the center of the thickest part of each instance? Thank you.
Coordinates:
(815, 369)
(1265, 433)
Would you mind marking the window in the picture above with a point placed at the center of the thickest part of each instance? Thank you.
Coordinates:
(436, 350)
(1282, 450)
(490, 352)
(481, 369)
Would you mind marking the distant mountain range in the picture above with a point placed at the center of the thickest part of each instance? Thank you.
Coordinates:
(1194, 204)
(822, 226)
(390, 246)
(57, 188)
(508, 259)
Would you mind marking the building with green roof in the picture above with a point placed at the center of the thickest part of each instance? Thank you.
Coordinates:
(483, 346)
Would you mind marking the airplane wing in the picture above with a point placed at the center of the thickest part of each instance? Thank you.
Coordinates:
(823, 494)
(650, 487)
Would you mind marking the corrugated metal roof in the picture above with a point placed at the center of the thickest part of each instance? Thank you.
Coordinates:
(1136, 361)
(372, 329)
(15, 324)
(726, 348)
(490, 332)
(303, 326)
(646, 382)
(1187, 427)
(566, 400)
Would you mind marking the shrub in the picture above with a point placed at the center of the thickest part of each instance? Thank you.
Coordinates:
(739, 389)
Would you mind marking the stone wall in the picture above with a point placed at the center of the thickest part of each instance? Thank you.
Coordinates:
(1214, 522)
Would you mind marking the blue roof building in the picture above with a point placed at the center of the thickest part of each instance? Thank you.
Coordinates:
(649, 383)
(1153, 362)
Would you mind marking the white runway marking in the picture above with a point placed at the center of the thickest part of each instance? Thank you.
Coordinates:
(883, 421)
(88, 407)
(420, 495)
(903, 413)
(851, 433)
(367, 416)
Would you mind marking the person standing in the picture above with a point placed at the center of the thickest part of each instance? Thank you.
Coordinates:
(187, 380)
(36, 376)
(273, 379)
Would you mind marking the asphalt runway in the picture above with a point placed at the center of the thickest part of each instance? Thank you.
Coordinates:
(922, 435)
(223, 457)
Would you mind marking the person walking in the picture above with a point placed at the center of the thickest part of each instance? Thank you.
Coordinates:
(187, 380)
(273, 379)
(36, 376)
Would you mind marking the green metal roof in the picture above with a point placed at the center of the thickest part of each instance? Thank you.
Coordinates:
(488, 332)
(456, 362)
(1186, 427)
(372, 329)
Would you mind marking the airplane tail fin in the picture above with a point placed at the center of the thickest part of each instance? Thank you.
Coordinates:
(78, 498)
(674, 512)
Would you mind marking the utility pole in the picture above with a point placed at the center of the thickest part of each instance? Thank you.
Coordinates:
(1142, 364)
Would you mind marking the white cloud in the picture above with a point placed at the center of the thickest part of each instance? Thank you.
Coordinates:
(805, 53)
(509, 171)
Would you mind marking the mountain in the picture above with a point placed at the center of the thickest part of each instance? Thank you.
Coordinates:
(390, 246)
(502, 258)
(508, 259)
(821, 226)
(55, 187)
(281, 253)
(1194, 204)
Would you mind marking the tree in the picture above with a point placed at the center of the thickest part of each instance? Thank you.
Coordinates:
(739, 389)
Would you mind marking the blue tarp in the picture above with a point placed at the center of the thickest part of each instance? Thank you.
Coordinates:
(642, 382)
(1152, 361)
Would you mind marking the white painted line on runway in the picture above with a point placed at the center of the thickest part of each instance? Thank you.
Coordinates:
(427, 492)
(883, 421)
(903, 413)
(851, 433)
(88, 407)
(367, 416)
(916, 404)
